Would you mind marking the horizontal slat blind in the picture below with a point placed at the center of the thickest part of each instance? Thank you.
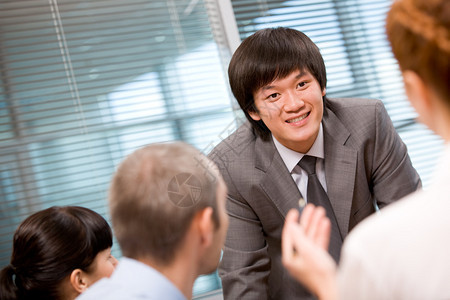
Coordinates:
(84, 83)
(359, 62)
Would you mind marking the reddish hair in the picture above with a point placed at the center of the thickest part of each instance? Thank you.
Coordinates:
(419, 33)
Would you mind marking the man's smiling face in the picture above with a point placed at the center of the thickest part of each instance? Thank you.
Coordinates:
(292, 109)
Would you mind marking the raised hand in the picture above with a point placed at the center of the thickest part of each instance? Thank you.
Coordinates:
(304, 251)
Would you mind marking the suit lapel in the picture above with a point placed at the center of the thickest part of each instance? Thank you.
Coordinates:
(340, 169)
(276, 181)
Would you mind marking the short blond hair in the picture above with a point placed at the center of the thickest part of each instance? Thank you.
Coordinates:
(148, 214)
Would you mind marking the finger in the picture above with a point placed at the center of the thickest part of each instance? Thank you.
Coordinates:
(316, 217)
(300, 239)
(287, 237)
(323, 233)
(292, 216)
(305, 218)
(292, 256)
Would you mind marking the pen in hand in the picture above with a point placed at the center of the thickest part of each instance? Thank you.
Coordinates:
(301, 206)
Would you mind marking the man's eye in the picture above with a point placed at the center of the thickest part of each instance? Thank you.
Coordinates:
(302, 84)
(272, 96)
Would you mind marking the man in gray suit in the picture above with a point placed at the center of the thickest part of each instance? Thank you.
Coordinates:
(278, 77)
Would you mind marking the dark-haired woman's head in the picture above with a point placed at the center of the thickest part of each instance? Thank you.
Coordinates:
(57, 253)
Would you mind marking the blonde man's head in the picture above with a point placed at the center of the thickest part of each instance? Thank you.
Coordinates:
(154, 196)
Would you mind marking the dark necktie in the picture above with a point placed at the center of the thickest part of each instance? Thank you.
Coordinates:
(317, 196)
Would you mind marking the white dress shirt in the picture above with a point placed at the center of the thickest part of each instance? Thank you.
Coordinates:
(291, 159)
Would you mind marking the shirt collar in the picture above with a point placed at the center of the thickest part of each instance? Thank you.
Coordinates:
(149, 280)
(291, 157)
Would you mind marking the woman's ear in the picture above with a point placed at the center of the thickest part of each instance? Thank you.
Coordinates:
(418, 94)
(78, 280)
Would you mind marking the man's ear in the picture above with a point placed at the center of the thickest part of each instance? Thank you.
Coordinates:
(254, 115)
(78, 280)
(418, 93)
(206, 226)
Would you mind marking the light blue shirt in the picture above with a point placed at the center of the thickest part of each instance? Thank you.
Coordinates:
(291, 159)
(133, 280)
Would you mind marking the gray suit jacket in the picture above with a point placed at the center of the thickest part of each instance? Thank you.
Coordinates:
(365, 161)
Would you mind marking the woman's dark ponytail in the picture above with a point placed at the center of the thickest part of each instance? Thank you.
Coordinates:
(8, 288)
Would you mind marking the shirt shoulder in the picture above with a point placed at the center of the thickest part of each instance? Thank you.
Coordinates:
(387, 254)
(104, 289)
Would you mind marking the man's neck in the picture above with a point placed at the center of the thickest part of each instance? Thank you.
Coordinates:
(181, 272)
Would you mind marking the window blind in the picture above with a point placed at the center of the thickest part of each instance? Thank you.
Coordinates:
(358, 58)
(84, 83)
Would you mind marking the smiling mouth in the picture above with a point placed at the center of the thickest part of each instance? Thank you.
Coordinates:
(299, 118)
